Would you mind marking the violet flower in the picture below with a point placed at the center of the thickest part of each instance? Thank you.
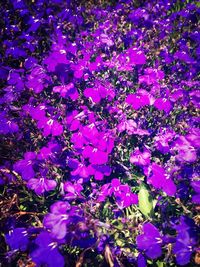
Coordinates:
(140, 158)
(17, 239)
(50, 126)
(67, 91)
(7, 126)
(41, 185)
(73, 190)
(161, 180)
(57, 219)
(95, 155)
(163, 104)
(123, 195)
(187, 238)
(46, 251)
(25, 166)
(186, 152)
(150, 241)
(137, 101)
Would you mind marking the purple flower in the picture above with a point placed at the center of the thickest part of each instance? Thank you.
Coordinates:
(73, 190)
(150, 241)
(79, 168)
(55, 58)
(25, 166)
(37, 80)
(137, 101)
(57, 219)
(46, 252)
(151, 76)
(41, 185)
(49, 151)
(182, 55)
(17, 239)
(50, 126)
(37, 112)
(163, 138)
(95, 156)
(186, 152)
(163, 104)
(140, 158)
(103, 193)
(99, 171)
(100, 91)
(127, 60)
(161, 180)
(123, 195)
(16, 81)
(67, 91)
(187, 238)
(7, 126)
(196, 187)
(141, 261)
(194, 137)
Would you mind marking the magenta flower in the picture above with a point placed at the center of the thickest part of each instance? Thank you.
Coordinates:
(130, 126)
(161, 180)
(50, 126)
(73, 120)
(95, 156)
(163, 104)
(137, 100)
(100, 91)
(105, 39)
(140, 158)
(151, 76)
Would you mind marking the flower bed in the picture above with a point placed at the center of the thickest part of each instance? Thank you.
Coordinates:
(99, 126)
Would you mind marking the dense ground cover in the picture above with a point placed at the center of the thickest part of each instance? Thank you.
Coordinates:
(99, 127)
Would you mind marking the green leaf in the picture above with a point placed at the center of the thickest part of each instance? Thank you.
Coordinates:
(145, 202)
(160, 264)
(197, 4)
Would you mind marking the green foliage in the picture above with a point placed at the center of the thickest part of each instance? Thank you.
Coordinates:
(145, 202)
